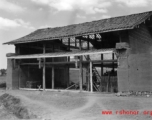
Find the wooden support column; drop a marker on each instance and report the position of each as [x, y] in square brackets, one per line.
[67, 69]
[87, 68]
[101, 73]
[102, 65]
[69, 44]
[44, 69]
[53, 77]
[81, 70]
[95, 37]
[17, 51]
[19, 76]
[75, 42]
[113, 57]
[91, 82]
[120, 40]
[68, 60]
[88, 44]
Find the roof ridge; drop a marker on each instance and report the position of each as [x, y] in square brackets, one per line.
[143, 19]
[95, 20]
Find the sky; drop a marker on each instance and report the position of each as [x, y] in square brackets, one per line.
[21, 17]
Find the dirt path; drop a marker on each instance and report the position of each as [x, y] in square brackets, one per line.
[80, 114]
[41, 109]
[45, 110]
[77, 112]
[77, 106]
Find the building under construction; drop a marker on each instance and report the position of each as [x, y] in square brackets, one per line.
[107, 55]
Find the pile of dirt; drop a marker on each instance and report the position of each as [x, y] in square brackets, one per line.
[13, 105]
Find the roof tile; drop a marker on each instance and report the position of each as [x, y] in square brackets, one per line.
[100, 26]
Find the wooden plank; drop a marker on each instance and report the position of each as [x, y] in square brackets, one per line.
[91, 82]
[72, 62]
[62, 54]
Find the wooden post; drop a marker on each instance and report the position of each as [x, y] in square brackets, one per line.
[87, 78]
[19, 76]
[44, 69]
[120, 40]
[68, 60]
[52, 77]
[95, 37]
[91, 82]
[68, 44]
[81, 74]
[19, 67]
[101, 82]
[102, 65]
[88, 45]
[52, 74]
[75, 42]
[113, 65]
[81, 71]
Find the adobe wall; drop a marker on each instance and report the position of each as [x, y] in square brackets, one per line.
[12, 78]
[134, 70]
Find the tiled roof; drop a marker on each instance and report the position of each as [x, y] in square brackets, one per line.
[63, 54]
[100, 26]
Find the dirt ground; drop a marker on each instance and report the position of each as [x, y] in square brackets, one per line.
[81, 106]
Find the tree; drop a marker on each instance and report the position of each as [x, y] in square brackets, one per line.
[3, 72]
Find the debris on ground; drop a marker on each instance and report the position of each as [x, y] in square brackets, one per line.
[13, 105]
[134, 93]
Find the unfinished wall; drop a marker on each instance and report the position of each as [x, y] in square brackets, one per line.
[12, 79]
[134, 70]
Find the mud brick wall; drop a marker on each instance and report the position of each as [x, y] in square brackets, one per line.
[134, 70]
[12, 79]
